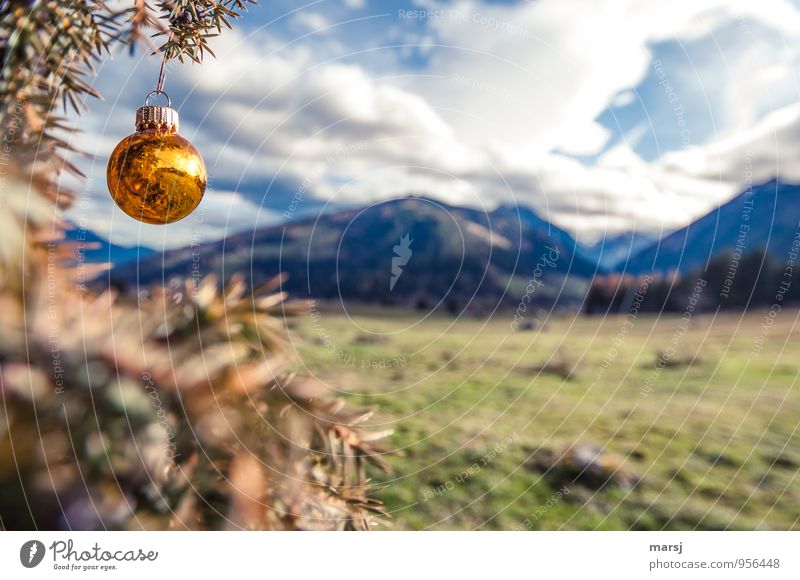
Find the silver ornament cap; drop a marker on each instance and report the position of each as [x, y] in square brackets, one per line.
[157, 117]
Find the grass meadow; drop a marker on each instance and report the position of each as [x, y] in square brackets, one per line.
[625, 422]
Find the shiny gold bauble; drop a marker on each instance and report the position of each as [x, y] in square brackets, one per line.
[155, 175]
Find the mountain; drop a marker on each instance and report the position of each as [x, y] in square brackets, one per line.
[419, 252]
[412, 251]
[96, 249]
[613, 251]
[765, 217]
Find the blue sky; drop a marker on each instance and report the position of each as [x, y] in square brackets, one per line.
[602, 115]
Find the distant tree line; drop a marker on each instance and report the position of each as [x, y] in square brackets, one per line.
[753, 280]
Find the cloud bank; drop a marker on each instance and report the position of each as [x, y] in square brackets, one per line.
[601, 115]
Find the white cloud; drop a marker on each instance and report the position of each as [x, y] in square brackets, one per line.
[623, 99]
[355, 4]
[313, 21]
[296, 116]
[622, 189]
[572, 61]
[770, 148]
[585, 140]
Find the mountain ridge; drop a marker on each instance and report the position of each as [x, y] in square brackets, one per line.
[466, 255]
[458, 254]
[748, 222]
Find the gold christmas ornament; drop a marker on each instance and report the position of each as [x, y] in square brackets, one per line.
[155, 175]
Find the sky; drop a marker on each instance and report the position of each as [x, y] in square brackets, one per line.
[603, 116]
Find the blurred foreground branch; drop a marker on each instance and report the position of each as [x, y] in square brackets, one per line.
[175, 410]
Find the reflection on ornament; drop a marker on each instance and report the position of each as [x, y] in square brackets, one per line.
[155, 175]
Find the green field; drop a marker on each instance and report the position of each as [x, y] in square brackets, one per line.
[483, 417]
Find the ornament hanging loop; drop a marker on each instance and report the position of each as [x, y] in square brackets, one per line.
[157, 117]
[162, 71]
[154, 93]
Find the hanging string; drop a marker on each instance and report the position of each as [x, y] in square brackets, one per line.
[162, 74]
